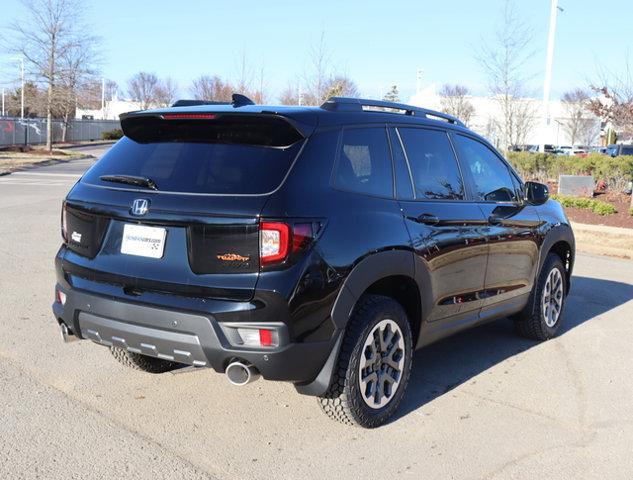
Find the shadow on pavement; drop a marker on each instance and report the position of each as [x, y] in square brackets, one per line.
[440, 367]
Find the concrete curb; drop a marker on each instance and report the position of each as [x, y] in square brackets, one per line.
[84, 145]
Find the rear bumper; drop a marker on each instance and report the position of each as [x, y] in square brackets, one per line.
[181, 336]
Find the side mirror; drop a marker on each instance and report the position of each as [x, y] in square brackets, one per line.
[536, 193]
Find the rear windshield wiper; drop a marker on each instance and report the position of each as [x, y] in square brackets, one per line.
[130, 180]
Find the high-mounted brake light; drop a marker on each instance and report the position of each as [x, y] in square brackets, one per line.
[274, 242]
[189, 116]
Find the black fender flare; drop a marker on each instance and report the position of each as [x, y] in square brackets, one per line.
[558, 233]
[369, 270]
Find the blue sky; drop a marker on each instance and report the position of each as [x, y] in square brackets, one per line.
[377, 43]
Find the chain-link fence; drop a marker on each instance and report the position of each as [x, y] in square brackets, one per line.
[32, 131]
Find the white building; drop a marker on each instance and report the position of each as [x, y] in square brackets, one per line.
[111, 111]
[487, 110]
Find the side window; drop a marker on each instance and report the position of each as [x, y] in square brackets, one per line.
[433, 165]
[404, 187]
[364, 162]
[490, 175]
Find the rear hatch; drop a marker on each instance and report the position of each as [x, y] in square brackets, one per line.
[174, 206]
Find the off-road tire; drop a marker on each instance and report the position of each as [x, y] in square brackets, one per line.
[136, 361]
[530, 322]
[343, 401]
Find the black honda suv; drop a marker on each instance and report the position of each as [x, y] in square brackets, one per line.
[315, 245]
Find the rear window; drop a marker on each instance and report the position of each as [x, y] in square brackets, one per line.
[206, 157]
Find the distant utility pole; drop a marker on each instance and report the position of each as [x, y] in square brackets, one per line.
[103, 99]
[22, 89]
[547, 83]
[418, 80]
[3, 102]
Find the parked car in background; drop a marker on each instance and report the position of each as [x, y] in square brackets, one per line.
[619, 149]
[563, 150]
[598, 149]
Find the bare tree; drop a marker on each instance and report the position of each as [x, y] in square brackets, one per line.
[579, 124]
[503, 60]
[210, 88]
[454, 101]
[392, 95]
[320, 82]
[318, 73]
[339, 86]
[166, 92]
[245, 76]
[77, 64]
[291, 95]
[259, 94]
[614, 103]
[143, 88]
[50, 30]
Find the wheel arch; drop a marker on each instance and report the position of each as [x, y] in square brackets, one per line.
[377, 273]
[560, 241]
[390, 273]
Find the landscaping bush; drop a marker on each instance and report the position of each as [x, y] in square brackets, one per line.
[112, 134]
[631, 211]
[598, 207]
[541, 167]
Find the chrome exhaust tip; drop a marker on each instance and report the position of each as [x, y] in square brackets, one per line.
[67, 335]
[241, 374]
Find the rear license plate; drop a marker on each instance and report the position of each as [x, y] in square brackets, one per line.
[143, 241]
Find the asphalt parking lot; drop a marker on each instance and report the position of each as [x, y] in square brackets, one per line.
[482, 405]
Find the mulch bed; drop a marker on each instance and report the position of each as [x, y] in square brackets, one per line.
[620, 201]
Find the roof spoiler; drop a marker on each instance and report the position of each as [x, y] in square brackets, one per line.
[238, 100]
[361, 105]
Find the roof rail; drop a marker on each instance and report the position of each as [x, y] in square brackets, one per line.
[362, 104]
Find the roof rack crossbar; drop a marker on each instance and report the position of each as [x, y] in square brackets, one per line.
[360, 104]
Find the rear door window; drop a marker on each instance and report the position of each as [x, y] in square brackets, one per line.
[202, 157]
[364, 162]
[433, 164]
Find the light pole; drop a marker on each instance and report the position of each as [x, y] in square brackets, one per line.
[21, 59]
[3, 102]
[548, 71]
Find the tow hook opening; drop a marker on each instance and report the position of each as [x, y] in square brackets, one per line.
[240, 374]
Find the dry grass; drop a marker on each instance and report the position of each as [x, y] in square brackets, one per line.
[13, 161]
[599, 240]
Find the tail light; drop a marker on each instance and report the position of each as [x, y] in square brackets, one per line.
[60, 297]
[258, 337]
[278, 240]
[64, 223]
[274, 242]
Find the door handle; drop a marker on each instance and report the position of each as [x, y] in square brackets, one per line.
[427, 219]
